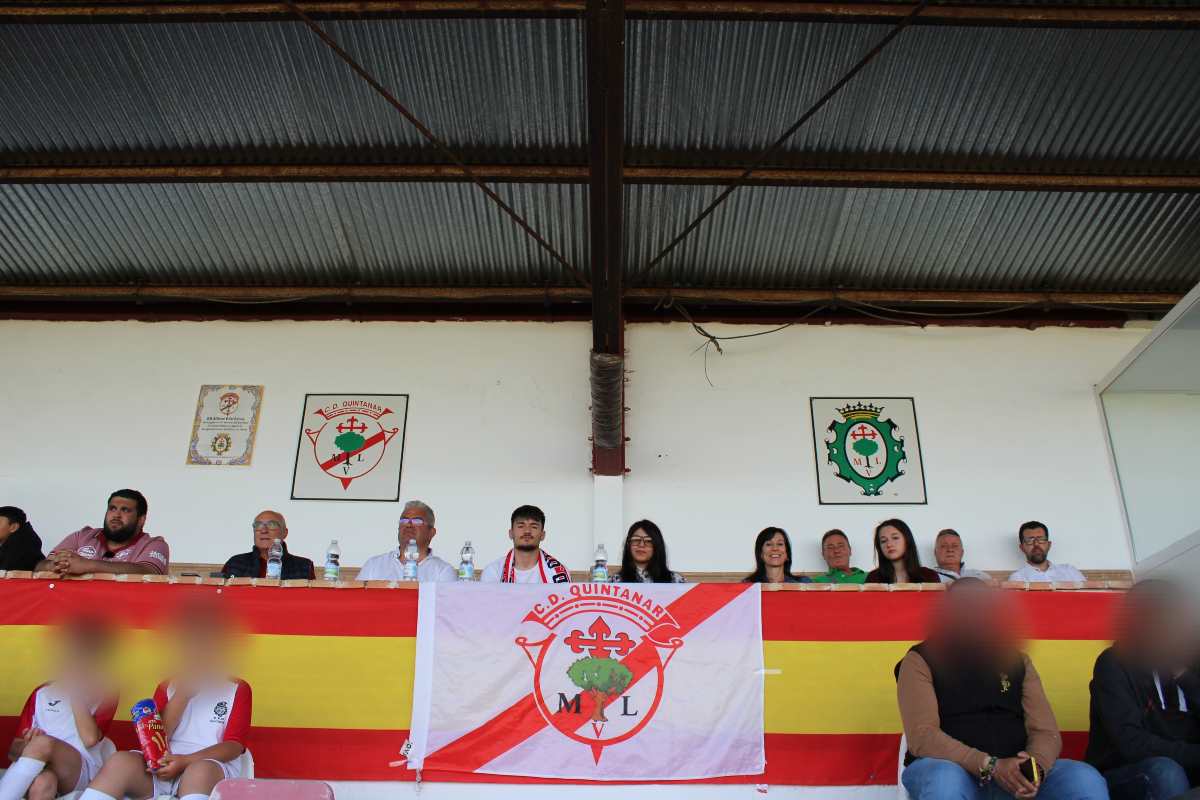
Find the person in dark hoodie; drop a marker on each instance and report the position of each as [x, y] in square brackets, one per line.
[20, 546]
[1145, 708]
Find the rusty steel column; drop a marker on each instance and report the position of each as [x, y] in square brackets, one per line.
[605, 24]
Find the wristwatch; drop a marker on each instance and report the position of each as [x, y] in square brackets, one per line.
[987, 771]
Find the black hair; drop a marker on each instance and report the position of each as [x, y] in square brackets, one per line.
[529, 512]
[13, 514]
[1029, 526]
[912, 559]
[834, 532]
[760, 567]
[657, 568]
[135, 496]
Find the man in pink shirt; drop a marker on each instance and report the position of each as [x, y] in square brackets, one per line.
[120, 547]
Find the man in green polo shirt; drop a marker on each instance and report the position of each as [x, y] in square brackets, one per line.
[835, 548]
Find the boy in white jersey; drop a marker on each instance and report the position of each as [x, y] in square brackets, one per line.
[206, 714]
[57, 749]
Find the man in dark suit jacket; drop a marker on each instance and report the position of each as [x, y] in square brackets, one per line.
[1145, 709]
[267, 527]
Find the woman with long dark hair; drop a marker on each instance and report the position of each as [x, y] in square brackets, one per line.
[644, 557]
[897, 556]
[773, 559]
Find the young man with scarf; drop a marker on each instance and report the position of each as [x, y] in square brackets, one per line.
[526, 562]
[977, 721]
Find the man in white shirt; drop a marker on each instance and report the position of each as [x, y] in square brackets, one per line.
[948, 552]
[526, 562]
[1035, 544]
[416, 524]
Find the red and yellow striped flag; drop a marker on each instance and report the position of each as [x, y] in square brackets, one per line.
[332, 670]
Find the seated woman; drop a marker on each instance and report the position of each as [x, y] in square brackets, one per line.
[773, 559]
[896, 553]
[644, 559]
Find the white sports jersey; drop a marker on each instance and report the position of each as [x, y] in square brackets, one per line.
[49, 709]
[494, 571]
[217, 713]
[388, 567]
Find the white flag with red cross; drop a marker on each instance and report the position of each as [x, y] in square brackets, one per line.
[613, 682]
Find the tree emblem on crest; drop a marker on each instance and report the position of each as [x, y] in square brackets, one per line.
[865, 449]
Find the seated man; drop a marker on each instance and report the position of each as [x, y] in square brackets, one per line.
[20, 546]
[416, 525]
[948, 551]
[1145, 711]
[974, 711]
[1034, 538]
[206, 714]
[122, 546]
[57, 749]
[526, 562]
[835, 549]
[266, 528]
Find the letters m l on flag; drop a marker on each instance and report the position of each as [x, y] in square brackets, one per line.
[616, 682]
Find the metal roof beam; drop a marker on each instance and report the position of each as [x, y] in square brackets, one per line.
[266, 295]
[847, 12]
[496, 173]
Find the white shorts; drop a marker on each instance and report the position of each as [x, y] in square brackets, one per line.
[89, 768]
[231, 769]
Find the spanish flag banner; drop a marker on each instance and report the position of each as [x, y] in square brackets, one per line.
[595, 681]
[332, 671]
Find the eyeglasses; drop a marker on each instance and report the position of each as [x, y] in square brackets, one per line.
[416, 522]
[1037, 540]
[271, 525]
[641, 541]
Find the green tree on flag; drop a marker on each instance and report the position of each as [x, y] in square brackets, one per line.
[601, 678]
[348, 442]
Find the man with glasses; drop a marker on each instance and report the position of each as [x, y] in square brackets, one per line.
[1034, 538]
[835, 549]
[266, 528]
[416, 525]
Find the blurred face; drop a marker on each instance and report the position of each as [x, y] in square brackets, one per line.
[774, 551]
[121, 521]
[641, 546]
[268, 526]
[836, 552]
[949, 552]
[416, 526]
[526, 534]
[1035, 544]
[891, 541]
[7, 528]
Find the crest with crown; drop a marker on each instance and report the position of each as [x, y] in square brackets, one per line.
[857, 412]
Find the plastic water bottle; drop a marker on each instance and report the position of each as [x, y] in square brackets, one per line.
[333, 561]
[600, 567]
[410, 561]
[466, 563]
[275, 559]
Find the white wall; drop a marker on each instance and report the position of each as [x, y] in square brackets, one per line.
[499, 417]
[1009, 426]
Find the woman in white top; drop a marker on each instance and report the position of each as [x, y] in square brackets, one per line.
[644, 558]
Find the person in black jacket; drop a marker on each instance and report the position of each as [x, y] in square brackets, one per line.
[20, 546]
[267, 527]
[1145, 708]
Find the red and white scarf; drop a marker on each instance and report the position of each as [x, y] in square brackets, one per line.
[547, 565]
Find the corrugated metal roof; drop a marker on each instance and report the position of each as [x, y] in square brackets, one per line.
[938, 96]
[242, 92]
[771, 237]
[406, 234]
